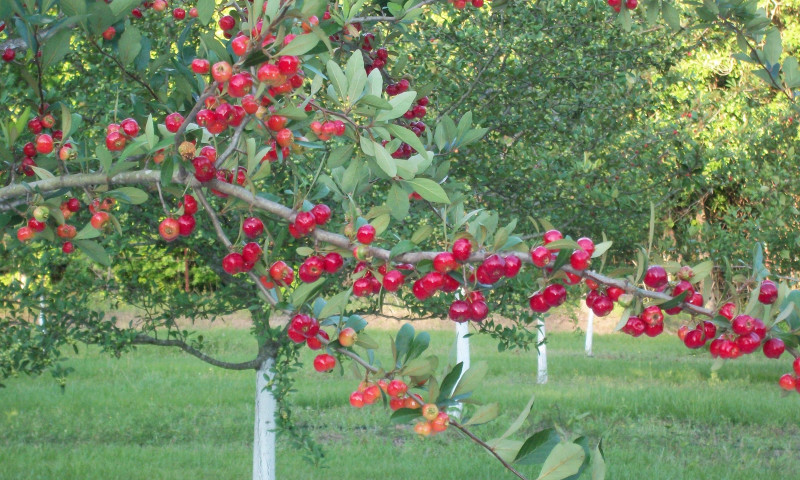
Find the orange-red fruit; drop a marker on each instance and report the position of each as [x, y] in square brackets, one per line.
[99, 220]
[348, 337]
[430, 411]
[324, 363]
[787, 382]
[169, 229]
[357, 399]
[423, 429]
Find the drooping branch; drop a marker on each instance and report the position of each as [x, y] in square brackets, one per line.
[263, 353]
[489, 449]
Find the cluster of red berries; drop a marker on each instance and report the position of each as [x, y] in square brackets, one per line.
[650, 323]
[462, 4]
[324, 131]
[44, 142]
[792, 382]
[236, 262]
[617, 4]
[41, 214]
[555, 294]
[118, 134]
[314, 266]
[378, 58]
[278, 272]
[434, 422]
[170, 228]
[306, 222]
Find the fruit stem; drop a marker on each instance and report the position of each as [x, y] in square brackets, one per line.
[483, 444]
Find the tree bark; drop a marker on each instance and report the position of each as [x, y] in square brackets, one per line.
[265, 424]
[541, 376]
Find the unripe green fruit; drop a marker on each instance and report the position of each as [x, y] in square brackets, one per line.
[41, 213]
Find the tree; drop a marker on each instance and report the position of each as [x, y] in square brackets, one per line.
[292, 158]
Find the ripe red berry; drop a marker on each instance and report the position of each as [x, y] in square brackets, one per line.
[552, 236]
[727, 310]
[186, 224]
[169, 229]
[44, 144]
[227, 23]
[512, 266]
[324, 363]
[694, 339]
[173, 122]
[540, 256]
[586, 244]
[204, 170]
[602, 306]
[366, 234]
[652, 316]
[444, 262]
[311, 269]
[99, 220]
[787, 382]
[288, 64]
[538, 303]
[478, 311]
[742, 324]
[362, 287]
[655, 277]
[305, 223]
[233, 263]
[251, 253]
[281, 273]
[67, 247]
[393, 280]
[555, 294]
[462, 249]
[252, 227]
[357, 399]
[9, 54]
[333, 262]
[130, 127]
[796, 366]
[201, 66]
[768, 292]
[189, 205]
[579, 259]
[774, 348]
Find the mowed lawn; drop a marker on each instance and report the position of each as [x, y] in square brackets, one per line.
[160, 414]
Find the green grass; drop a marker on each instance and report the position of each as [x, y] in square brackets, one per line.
[160, 414]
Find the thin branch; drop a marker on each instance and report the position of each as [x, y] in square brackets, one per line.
[383, 18]
[489, 449]
[121, 66]
[254, 364]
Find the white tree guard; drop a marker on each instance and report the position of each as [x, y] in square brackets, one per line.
[589, 333]
[541, 377]
[462, 356]
[265, 424]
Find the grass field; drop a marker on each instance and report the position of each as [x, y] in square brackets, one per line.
[160, 414]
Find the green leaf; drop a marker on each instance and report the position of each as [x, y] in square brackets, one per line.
[420, 343]
[100, 17]
[336, 304]
[356, 77]
[300, 45]
[402, 247]
[564, 243]
[375, 101]
[505, 448]
[130, 43]
[407, 136]
[74, 8]
[381, 223]
[405, 336]
[484, 414]
[337, 78]
[675, 301]
[419, 367]
[56, 48]
[205, 10]
[773, 46]
[87, 232]
[400, 105]
[702, 270]
[121, 8]
[472, 378]
[429, 190]
[601, 248]
[671, 16]
[384, 159]
[565, 460]
[523, 415]
[537, 447]
[367, 342]
[405, 415]
[421, 234]
[132, 195]
[449, 383]
[791, 73]
[42, 173]
[95, 251]
[598, 464]
[304, 292]
[398, 202]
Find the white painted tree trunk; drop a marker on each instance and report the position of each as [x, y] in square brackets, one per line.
[40, 320]
[462, 356]
[589, 333]
[264, 439]
[541, 377]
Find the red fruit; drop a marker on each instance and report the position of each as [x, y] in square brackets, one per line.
[322, 213]
[460, 311]
[115, 141]
[586, 244]
[635, 327]
[109, 33]
[371, 394]
[631, 4]
[796, 366]
[252, 227]
[393, 280]
[201, 66]
[25, 234]
[396, 388]
[444, 262]
[189, 205]
[169, 229]
[269, 73]
[238, 85]
[709, 329]
[29, 149]
[694, 339]
[204, 170]
[728, 310]
[357, 399]
[653, 316]
[305, 222]
[277, 122]
[654, 330]
[602, 306]
[99, 220]
[462, 249]
[512, 266]
[715, 346]
[759, 328]
[787, 382]
[332, 262]
[314, 343]
[555, 294]
[222, 72]
[362, 287]
[44, 144]
[9, 54]
[130, 127]
[67, 247]
[288, 64]
[281, 273]
[552, 236]
[36, 225]
[233, 263]
[311, 269]
[432, 281]
[614, 293]
[304, 326]
[227, 23]
[540, 256]
[768, 292]
[348, 337]
[742, 324]
[73, 205]
[324, 363]
[491, 270]
[580, 259]
[683, 286]
[173, 122]
[239, 45]
[774, 348]
[748, 343]
[420, 291]
[591, 297]
[366, 234]
[478, 311]
[251, 252]
[538, 303]
[66, 231]
[35, 126]
[655, 277]
[186, 224]
[682, 331]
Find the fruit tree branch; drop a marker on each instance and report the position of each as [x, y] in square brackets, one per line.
[254, 364]
[384, 18]
[483, 444]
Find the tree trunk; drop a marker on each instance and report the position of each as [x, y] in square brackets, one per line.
[265, 424]
[541, 376]
[589, 332]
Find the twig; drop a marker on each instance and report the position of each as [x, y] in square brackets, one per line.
[254, 364]
[483, 444]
